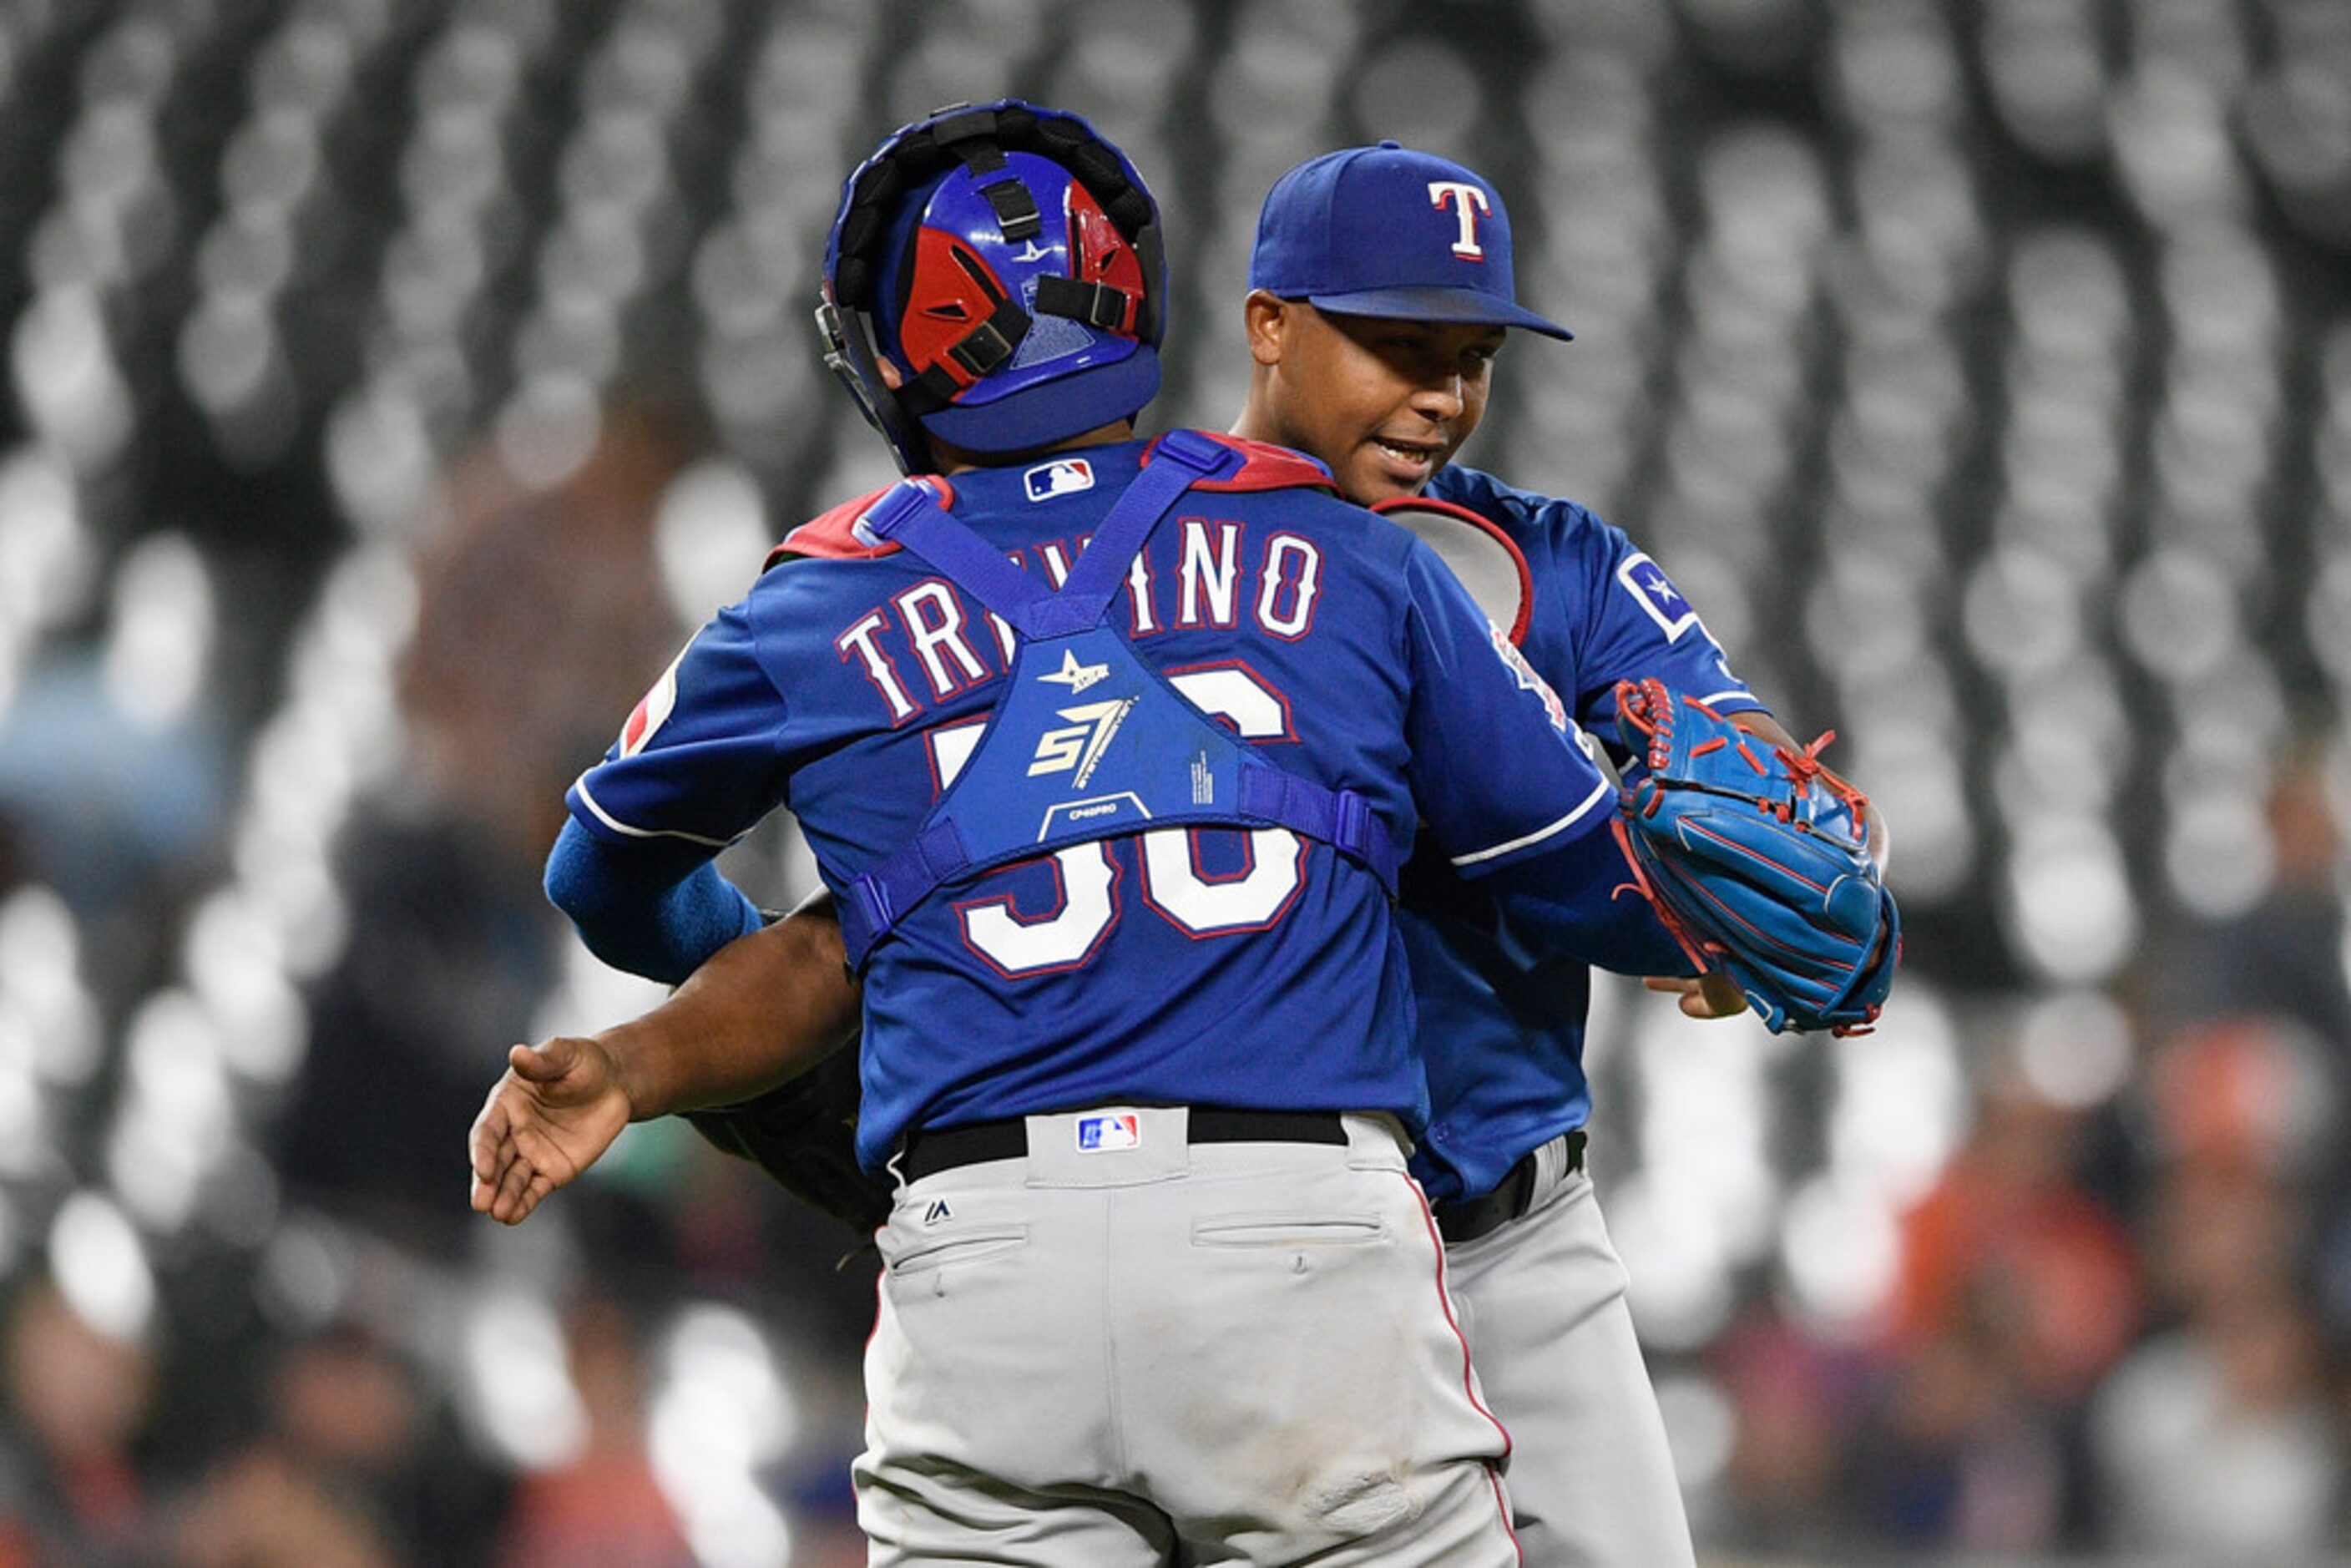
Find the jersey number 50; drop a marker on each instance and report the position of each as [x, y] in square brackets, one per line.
[1173, 884]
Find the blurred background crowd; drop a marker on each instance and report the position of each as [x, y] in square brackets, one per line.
[386, 386]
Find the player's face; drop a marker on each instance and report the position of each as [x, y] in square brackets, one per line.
[1384, 402]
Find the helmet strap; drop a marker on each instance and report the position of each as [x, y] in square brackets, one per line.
[988, 345]
[1098, 305]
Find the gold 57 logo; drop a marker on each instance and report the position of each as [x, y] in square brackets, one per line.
[1080, 747]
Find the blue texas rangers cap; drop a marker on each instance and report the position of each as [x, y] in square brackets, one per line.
[1387, 231]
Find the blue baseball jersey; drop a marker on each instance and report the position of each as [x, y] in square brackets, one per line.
[1252, 969]
[1501, 1016]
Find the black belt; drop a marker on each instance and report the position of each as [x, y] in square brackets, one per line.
[931, 1150]
[1469, 1218]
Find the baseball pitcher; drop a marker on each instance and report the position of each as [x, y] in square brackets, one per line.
[1381, 291]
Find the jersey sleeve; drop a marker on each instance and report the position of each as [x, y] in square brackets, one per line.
[1639, 626]
[1507, 783]
[1499, 770]
[694, 768]
[701, 759]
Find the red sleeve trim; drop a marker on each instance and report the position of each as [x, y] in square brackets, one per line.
[833, 535]
[1266, 467]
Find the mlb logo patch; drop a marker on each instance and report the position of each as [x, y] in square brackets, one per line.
[1647, 582]
[1065, 477]
[1101, 1135]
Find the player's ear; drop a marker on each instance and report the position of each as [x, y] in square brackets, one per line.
[1268, 320]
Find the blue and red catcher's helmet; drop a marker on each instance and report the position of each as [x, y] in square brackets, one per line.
[1007, 261]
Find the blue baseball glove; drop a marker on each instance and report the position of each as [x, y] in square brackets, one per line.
[1754, 857]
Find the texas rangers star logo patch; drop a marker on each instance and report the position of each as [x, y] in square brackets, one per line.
[1065, 477]
[1103, 1134]
[1655, 593]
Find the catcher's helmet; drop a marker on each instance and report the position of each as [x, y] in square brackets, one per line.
[1007, 261]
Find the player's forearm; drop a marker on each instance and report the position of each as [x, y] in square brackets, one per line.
[765, 1007]
[657, 909]
[1578, 900]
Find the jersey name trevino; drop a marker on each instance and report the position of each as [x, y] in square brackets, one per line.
[926, 643]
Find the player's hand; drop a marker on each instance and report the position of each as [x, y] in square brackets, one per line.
[559, 1107]
[1708, 996]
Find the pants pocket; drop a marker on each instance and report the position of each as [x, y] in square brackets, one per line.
[1289, 1230]
[928, 1256]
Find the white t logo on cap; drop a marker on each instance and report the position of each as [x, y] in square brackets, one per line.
[1466, 201]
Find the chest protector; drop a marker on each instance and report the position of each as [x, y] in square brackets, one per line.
[1086, 742]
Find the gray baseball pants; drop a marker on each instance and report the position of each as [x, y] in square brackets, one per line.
[1543, 1302]
[1206, 1353]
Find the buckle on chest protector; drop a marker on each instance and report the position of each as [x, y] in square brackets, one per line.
[1340, 818]
[1352, 825]
[882, 895]
[881, 522]
[873, 908]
